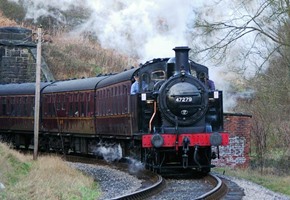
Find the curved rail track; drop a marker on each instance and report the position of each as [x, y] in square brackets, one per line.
[220, 188]
[154, 183]
[145, 192]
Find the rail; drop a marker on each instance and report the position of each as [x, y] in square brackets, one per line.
[146, 192]
[217, 192]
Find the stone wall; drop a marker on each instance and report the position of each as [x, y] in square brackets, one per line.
[17, 65]
[18, 57]
[237, 153]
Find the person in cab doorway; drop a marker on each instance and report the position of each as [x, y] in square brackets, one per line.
[135, 85]
[209, 83]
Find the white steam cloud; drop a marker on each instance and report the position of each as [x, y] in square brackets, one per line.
[140, 28]
[144, 28]
[110, 153]
[134, 166]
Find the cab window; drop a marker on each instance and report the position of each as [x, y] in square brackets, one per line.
[158, 75]
[148, 80]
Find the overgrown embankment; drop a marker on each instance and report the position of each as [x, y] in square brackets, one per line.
[47, 178]
[280, 184]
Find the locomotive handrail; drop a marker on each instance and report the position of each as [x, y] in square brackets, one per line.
[151, 119]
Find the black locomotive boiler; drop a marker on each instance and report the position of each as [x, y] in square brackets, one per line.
[174, 121]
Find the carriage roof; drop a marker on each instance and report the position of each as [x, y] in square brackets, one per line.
[20, 88]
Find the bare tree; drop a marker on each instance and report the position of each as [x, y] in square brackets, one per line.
[261, 28]
[263, 35]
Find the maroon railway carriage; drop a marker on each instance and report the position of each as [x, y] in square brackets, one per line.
[74, 113]
[17, 112]
[173, 122]
[87, 111]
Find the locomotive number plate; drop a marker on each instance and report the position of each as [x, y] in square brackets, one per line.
[183, 99]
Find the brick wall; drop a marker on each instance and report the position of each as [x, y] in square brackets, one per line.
[236, 154]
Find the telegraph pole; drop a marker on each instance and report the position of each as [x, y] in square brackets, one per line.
[37, 95]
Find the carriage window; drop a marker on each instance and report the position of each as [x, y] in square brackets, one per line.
[32, 110]
[58, 100]
[49, 109]
[19, 106]
[76, 113]
[12, 107]
[82, 109]
[4, 106]
[65, 104]
[82, 105]
[89, 112]
[88, 96]
[108, 103]
[70, 109]
[25, 113]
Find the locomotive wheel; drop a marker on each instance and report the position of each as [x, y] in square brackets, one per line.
[205, 159]
[150, 160]
[156, 162]
[146, 158]
[27, 142]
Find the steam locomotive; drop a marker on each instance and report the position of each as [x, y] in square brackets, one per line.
[174, 121]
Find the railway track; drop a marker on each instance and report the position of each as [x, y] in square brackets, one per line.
[145, 192]
[154, 183]
[220, 189]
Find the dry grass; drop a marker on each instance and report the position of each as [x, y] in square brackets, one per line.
[75, 57]
[46, 178]
[4, 21]
[280, 184]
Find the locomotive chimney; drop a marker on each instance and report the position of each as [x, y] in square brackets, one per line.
[181, 62]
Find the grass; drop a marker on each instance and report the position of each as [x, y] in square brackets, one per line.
[46, 178]
[51, 178]
[280, 184]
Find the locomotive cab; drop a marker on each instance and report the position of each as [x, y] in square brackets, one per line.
[151, 75]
